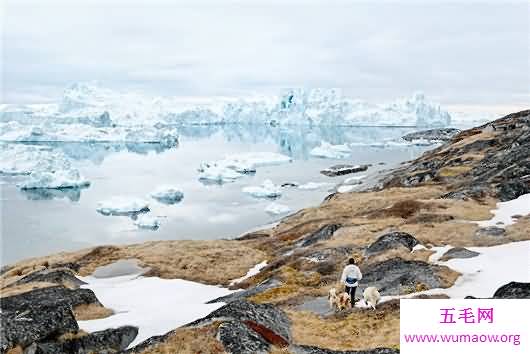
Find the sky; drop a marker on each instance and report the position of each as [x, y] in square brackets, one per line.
[467, 52]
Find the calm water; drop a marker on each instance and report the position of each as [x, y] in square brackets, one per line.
[39, 223]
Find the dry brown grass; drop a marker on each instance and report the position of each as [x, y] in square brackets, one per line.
[190, 341]
[211, 262]
[360, 329]
[23, 288]
[87, 312]
[453, 171]
[15, 350]
[72, 335]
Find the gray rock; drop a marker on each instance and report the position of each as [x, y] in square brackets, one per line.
[392, 240]
[490, 231]
[340, 170]
[458, 252]
[34, 323]
[303, 349]
[390, 275]
[237, 338]
[513, 290]
[51, 296]
[107, 341]
[119, 268]
[240, 295]
[442, 134]
[62, 276]
[324, 233]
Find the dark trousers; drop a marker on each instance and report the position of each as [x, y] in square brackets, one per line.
[350, 290]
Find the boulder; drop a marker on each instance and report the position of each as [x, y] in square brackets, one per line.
[513, 290]
[107, 341]
[392, 240]
[34, 323]
[51, 296]
[490, 231]
[340, 170]
[238, 338]
[458, 252]
[304, 349]
[390, 275]
[322, 234]
[61, 276]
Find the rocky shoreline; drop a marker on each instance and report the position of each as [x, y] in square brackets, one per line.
[392, 230]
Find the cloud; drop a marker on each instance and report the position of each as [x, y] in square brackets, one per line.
[458, 53]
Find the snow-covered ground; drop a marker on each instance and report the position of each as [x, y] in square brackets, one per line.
[154, 305]
[251, 272]
[503, 214]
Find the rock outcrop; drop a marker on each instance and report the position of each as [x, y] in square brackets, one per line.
[458, 252]
[315, 350]
[392, 240]
[441, 134]
[513, 290]
[341, 170]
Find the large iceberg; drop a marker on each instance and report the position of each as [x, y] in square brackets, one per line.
[68, 178]
[327, 150]
[96, 106]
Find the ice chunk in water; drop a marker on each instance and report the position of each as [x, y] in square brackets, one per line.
[330, 151]
[146, 221]
[277, 209]
[60, 179]
[167, 194]
[122, 206]
[266, 190]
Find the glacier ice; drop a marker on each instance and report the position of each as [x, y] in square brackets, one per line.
[330, 151]
[146, 221]
[277, 209]
[266, 190]
[67, 178]
[120, 205]
[167, 194]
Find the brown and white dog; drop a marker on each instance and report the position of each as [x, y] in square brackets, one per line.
[338, 301]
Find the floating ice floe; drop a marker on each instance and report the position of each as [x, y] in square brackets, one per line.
[354, 180]
[60, 179]
[146, 221]
[313, 185]
[137, 301]
[327, 150]
[167, 194]
[277, 209]
[503, 215]
[251, 272]
[122, 206]
[236, 166]
[266, 190]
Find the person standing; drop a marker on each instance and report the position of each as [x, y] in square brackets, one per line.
[350, 278]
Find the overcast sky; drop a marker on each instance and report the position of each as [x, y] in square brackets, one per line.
[472, 54]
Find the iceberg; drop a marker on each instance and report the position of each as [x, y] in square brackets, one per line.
[313, 185]
[167, 194]
[327, 150]
[69, 178]
[122, 206]
[217, 173]
[146, 221]
[277, 209]
[266, 190]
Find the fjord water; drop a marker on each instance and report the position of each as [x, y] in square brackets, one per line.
[41, 222]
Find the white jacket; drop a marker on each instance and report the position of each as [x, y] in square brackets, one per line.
[351, 271]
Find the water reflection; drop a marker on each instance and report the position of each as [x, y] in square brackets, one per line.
[72, 194]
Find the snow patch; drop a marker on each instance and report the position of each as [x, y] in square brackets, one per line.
[251, 272]
[154, 305]
[503, 215]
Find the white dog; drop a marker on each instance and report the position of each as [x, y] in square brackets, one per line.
[340, 301]
[371, 296]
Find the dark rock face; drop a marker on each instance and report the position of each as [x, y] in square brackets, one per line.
[458, 252]
[237, 338]
[491, 231]
[503, 172]
[52, 296]
[389, 275]
[239, 295]
[340, 170]
[391, 240]
[513, 290]
[34, 323]
[303, 349]
[442, 134]
[324, 233]
[249, 326]
[107, 341]
[57, 276]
